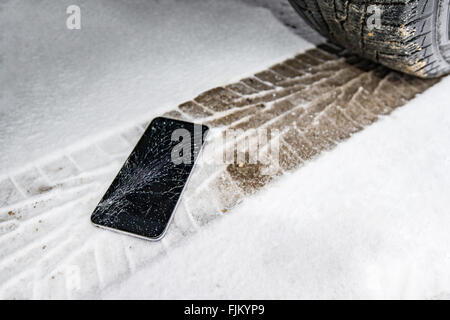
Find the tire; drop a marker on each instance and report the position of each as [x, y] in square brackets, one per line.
[413, 36]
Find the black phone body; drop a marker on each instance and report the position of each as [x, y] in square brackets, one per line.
[144, 195]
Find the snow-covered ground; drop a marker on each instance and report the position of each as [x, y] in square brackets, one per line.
[129, 61]
[366, 220]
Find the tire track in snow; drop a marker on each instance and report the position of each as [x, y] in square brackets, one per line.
[316, 100]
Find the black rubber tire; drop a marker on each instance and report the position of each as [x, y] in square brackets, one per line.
[414, 36]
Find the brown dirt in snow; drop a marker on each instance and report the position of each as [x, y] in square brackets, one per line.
[315, 100]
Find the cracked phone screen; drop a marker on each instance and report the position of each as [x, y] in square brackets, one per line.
[145, 192]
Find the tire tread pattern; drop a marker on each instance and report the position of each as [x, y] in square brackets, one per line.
[407, 40]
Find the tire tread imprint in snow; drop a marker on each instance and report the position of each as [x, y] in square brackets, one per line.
[315, 100]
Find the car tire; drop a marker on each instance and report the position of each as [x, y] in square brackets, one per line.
[412, 36]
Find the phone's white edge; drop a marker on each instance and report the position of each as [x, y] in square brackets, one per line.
[176, 205]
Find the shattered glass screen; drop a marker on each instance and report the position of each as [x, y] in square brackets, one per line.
[144, 194]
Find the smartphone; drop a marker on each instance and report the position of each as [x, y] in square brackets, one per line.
[144, 195]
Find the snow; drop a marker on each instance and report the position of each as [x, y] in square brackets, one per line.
[367, 220]
[129, 61]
